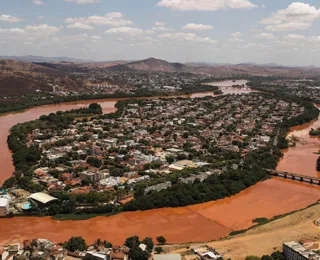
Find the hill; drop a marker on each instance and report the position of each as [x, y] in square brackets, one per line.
[20, 78]
[31, 58]
[151, 64]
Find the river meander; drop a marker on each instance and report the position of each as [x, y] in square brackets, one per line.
[196, 223]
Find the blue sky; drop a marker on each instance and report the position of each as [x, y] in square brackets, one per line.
[224, 31]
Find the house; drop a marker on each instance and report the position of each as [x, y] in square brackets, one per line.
[93, 177]
[42, 198]
[296, 251]
[4, 207]
[158, 187]
[180, 165]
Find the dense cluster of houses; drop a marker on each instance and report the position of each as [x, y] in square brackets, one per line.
[304, 88]
[149, 80]
[41, 248]
[155, 137]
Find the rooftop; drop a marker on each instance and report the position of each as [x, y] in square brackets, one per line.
[42, 197]
[167, 257]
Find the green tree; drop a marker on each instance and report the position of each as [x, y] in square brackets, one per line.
[76, 244]
[170, 159]
[96, 108]
[267, 257]
[95, 162]
[136, 253]
[161, 240]
[149, 243]
[132, 241]
[252, 257]
[107, 244]
[158, 250]
[277, 255]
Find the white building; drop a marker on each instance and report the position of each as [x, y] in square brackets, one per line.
[4, 207]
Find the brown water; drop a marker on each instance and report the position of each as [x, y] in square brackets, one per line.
[302, 158]
[196, 223]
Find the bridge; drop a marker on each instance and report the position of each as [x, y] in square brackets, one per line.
[295, 176]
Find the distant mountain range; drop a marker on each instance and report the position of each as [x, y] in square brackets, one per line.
[63, 65]
[31, 58]
[147, 64]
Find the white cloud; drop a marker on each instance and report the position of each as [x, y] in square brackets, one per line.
[9, 18]
[187, 37]
[197, 27]
[205, 5]
[254, 45]
[236, 37]
[267, 36]
[160, 29]
[111, 19]
[79, 26]
[125, 30]
[37, 2]
[294, 37]
[11, 30]
[82, 2]
[96, 38]
[298, 16]
[315, 38]
[32, 30]
[159, 24]
[42, 29]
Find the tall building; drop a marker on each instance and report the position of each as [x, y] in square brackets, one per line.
[296, 251]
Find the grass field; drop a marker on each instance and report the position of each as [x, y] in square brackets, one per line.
[267, 238]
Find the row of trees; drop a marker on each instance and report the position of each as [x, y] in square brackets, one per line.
[277, 255]
[315, 132]
[214, 188]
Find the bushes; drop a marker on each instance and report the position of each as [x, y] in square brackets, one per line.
[214, 188]
[260, 221]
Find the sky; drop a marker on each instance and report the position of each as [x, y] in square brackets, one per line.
[219, 31]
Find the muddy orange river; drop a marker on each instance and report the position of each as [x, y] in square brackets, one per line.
[197, 223]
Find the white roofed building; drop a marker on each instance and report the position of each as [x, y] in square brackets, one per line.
[41, 197]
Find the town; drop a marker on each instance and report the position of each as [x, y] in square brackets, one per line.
[142, 150]
[76, 248]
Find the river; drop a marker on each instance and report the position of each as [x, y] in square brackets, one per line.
[196, 223]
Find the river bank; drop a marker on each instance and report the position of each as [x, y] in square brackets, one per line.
[198, 223]
[294, 227]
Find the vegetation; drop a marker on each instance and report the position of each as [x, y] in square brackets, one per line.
[277, 255]
[76, 244]
[218, 92]
[158, 250]
[161, 240]
[315, 132]
[260, 220]
[252, 257]
[136, 253]
[237, 232]
[214, 188]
